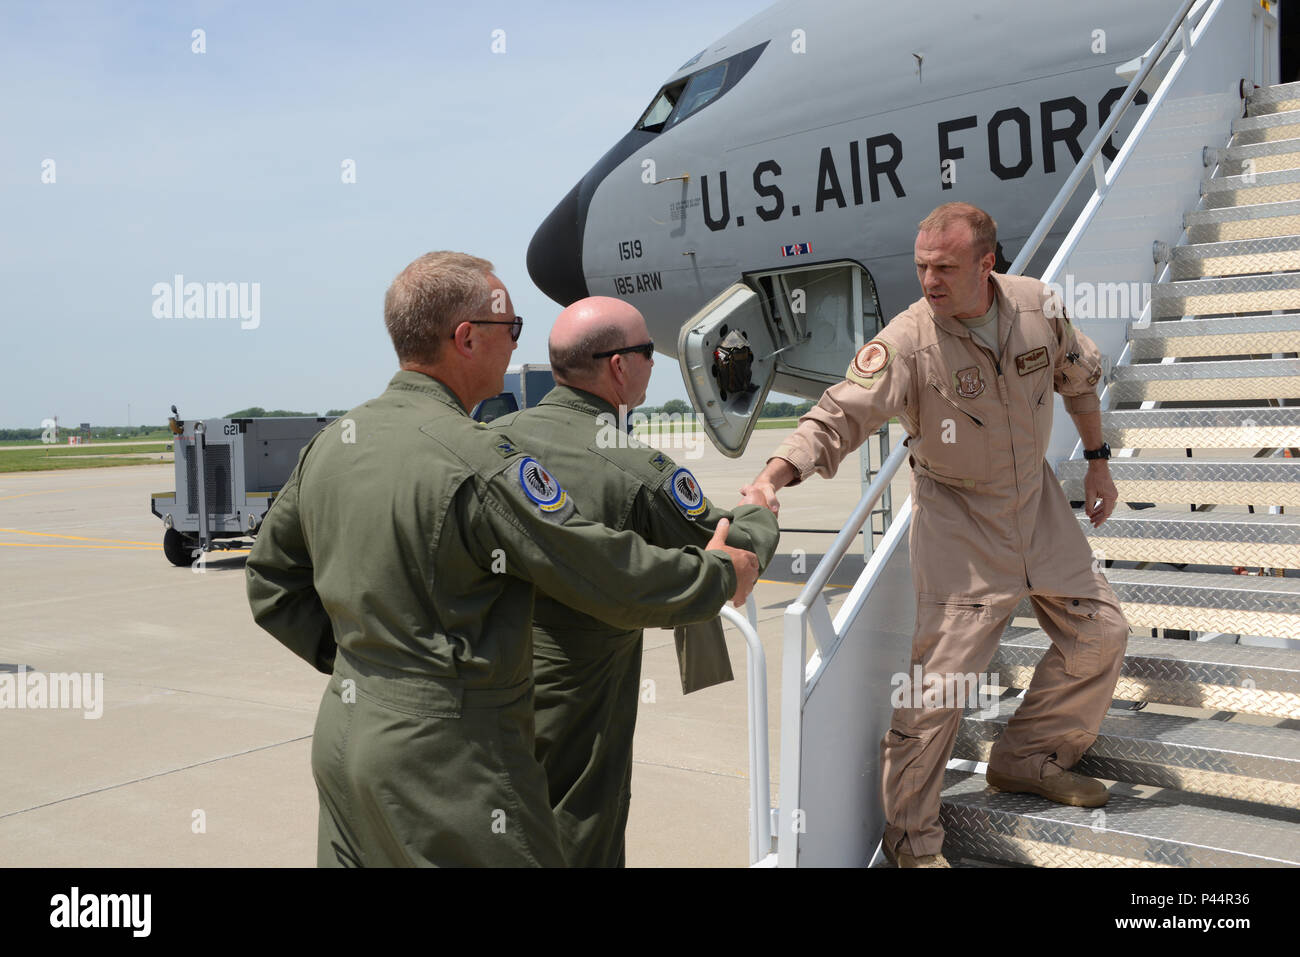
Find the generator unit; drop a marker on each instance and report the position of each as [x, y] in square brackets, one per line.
[525, 385]
[243, 463]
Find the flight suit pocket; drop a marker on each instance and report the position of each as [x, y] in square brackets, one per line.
[954, 436]
[1041, 409]
[1083, 654]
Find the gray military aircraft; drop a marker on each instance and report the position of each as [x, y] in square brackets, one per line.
[773, 185]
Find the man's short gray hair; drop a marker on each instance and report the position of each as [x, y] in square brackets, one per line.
[432, 296]
[982, 227]
[576, 363]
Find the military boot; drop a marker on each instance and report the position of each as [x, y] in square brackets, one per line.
[1057, 784]
[904, 859]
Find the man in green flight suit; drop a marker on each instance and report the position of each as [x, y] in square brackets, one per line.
[587, 667]
[400, 558]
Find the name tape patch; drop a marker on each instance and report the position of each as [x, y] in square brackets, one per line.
[1032, 361]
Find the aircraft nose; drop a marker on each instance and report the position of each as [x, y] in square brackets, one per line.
[555, 252]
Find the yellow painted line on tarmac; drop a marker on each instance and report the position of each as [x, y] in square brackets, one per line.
[51, 491]
[138, 548]
[77, 538]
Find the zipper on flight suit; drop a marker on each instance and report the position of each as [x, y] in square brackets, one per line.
[955, 405]
[1006, 405]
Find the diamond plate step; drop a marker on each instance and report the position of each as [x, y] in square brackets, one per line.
[1226, 759]
[1241, 481]
[1249, 188]
[1193, 674]
[1236, 258]
[1178, 536]
[1199, 381]
[1191, 297]
[1259, 157]
[1232, 336]
[1242, 428]
[1127, 832]
[1198, 601]
[1267, 128]
[1279, 98]
[1242, 222]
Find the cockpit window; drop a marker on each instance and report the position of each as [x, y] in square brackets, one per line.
[660, 108]
[700, 88]
[690, 94]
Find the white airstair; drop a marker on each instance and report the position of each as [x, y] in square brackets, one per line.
[1203, 740]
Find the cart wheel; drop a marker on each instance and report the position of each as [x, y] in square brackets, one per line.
[178, 549]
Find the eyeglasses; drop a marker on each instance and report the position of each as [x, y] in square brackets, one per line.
[647, 349]
[516, 325]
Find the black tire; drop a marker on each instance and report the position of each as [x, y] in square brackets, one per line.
[178, 549]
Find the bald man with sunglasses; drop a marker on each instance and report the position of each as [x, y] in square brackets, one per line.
[587, 673]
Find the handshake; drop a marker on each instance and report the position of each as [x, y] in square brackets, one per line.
[744, 562]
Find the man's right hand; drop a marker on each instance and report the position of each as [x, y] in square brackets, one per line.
[745, 563]
[761, 493]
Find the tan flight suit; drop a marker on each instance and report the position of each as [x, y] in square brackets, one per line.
[990, 523]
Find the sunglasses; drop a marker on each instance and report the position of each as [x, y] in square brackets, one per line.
[647, 349]
[516, 325]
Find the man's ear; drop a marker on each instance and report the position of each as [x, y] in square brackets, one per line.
[987, 262]
[462, 339]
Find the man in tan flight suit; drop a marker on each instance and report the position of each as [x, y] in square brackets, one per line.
[969, 369]
[401, 556]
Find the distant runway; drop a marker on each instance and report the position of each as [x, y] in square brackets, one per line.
[201, 753]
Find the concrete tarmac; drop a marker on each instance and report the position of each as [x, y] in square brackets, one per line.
[201, 755]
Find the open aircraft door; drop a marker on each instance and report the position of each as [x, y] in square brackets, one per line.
[795, 329]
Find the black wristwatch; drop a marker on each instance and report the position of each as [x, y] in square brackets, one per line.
[1101, 453]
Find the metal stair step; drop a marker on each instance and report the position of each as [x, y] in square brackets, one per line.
[1242, 222]
[1199, 381]
[1240, 428]
[1243, 762]
[1244, 679]
[1128, 831]
[1257, 157]
[1192, 297]
[1283, 125]
[1279, 98]
[1272, 254]
[1200, 601]
[1178, 536]
[1248, 188]
[1226, 336]
[1239, 481]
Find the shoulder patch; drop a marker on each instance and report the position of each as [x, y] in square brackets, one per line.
[541, 487]
[659, 461]
[505, 449]
[870, 363]
[685, 491]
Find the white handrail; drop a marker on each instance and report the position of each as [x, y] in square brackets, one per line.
[760, 794]
[1093, 152]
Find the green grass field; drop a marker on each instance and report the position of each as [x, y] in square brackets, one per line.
[79, 456]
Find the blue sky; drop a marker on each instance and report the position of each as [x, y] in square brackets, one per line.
[225, 166]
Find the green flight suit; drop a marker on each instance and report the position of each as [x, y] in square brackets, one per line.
[586, 666]
[401, 556]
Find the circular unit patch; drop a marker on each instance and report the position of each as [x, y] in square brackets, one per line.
[871, 358]
[687, 493]
[540, 486]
